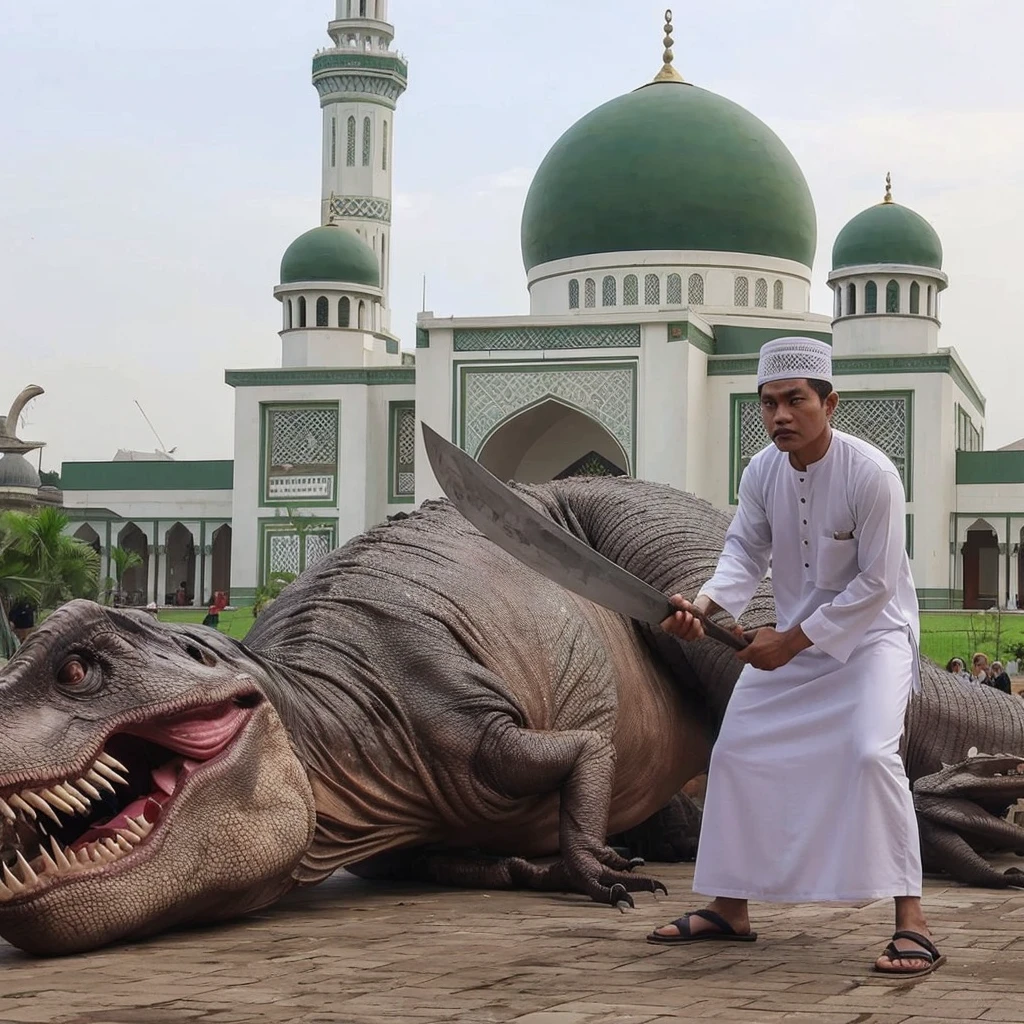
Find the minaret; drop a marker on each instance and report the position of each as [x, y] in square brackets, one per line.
[360, 80]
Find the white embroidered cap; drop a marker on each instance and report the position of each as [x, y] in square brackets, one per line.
[786, 358]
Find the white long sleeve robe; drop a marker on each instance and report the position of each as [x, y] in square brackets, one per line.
[807, 796]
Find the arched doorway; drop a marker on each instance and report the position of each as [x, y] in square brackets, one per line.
[981, 566]
[88, 535]
[547, 440]
[180, 564]
[134, 585]
[220, 561]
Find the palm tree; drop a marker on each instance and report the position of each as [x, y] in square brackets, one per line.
[123, 560]
[15, 585]
[61, 567]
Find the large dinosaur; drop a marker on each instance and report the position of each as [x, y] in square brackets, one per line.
[416, 703]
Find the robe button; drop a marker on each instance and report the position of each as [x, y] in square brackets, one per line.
[807, 565]
[806, 542]
[805, 522]
[803, 501]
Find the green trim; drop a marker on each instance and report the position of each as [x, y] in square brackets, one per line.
[266, 527]
[266, 408]
[360, 61]
[511, 339]
[990, 468]
[422, 337]
[736, 366]
[394, 498]
[303, 376]
[731, 340]
[243, 597]
[215, 475]
[685, 331]
[735, 401]
[462, 369]
[939, 599]
[391, 346]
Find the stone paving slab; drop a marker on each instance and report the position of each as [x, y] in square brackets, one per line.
[353, 952]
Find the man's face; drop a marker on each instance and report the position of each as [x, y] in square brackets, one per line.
[793, 414]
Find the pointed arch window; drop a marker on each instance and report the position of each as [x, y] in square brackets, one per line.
[674, 290]
[344, 312]
[384, 148]
[778, 295]
[323, 312]
[851, 300]
[367, 141]
[350, 148]
[915, 297]
[741, 292]
[302, 310]
[362, 8]
[590, 293]
[289, 313]
[334, 142]
[837, 304]
[630, 291]
[362, 315]
[695, 290]
[761, 293]
[609, 292]
[931, 306]
[574, 294]
[892, 297]
[871, 297]
[652, 290]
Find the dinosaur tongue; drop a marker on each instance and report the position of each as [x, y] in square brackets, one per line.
[199, 734]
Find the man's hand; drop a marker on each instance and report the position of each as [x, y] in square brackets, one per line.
[682, 624]
[771, 649]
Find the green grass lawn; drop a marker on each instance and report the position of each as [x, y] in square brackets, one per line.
[233, 623]
[944, 635]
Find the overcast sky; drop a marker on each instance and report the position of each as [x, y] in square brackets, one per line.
[157, 159]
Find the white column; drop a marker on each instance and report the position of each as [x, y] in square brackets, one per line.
[160, 549]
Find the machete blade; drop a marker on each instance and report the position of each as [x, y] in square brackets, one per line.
[540, 543]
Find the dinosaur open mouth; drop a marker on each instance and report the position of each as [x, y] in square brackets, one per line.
[49, 832]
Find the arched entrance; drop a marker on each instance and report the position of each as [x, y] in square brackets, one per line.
[133, 586]
[220, 561]
[547, 441]
[181, 564]
[87, 535]
[981, 566]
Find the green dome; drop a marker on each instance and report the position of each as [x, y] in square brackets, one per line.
[330, 253]
[669, 166]
[887, 233]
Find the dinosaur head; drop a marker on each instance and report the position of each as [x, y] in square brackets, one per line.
[145, 781]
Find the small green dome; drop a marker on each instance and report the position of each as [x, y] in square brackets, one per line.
[669, 166]
[330, 253]
[887, 233]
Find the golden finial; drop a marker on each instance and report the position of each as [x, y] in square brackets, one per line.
[888, 187]
[668, 73]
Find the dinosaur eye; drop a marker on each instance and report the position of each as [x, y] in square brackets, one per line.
[72, 673]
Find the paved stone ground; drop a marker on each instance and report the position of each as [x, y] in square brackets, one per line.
[351, 952]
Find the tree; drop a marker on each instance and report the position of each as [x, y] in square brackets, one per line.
[123, 560]
[270, 591]
[59, 567]
[49, 478]
[15, 585]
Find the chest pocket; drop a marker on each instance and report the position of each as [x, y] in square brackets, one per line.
[837, 563]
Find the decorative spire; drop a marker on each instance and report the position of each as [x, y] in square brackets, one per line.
[888, 187]
[668, 73]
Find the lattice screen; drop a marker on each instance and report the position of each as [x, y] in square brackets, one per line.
[674, 290]
[696, 290]
[652, 290]
[589, 293]
[350, 147]
[778, 289]
[741, 292]
[317, 545]
[284, 553]
[403, 452]
[761, 292]
[630, 291]
[608, 291]
[367, 141]
[302, 452]
[882, 420]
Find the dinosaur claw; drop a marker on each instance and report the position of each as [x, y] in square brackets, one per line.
[658, 887]
[635, 862]
[620, 898]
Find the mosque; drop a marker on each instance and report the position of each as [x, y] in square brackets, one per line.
[666, 237]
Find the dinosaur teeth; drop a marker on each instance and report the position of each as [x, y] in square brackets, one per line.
[94, 776]
[19, 801]
[108, 771]
[86, 788]
[42, 805]
[111, 762]
[7, 811]
[29, 876]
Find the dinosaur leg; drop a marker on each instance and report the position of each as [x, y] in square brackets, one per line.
[944, 823]
[580, 765]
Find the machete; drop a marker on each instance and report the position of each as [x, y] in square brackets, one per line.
[540, 543]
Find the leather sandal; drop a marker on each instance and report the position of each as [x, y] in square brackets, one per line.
[928, 953]
[725, 932]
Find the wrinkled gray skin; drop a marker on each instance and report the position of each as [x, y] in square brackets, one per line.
[419, 704]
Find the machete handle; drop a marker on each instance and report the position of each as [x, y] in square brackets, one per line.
[713, 631]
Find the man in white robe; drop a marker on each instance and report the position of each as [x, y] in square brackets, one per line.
[807, 796]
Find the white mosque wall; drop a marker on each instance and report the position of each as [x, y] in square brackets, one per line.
[174, 506]
[662, 436]
[332, 347]
[884, 334]
[434, 401]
